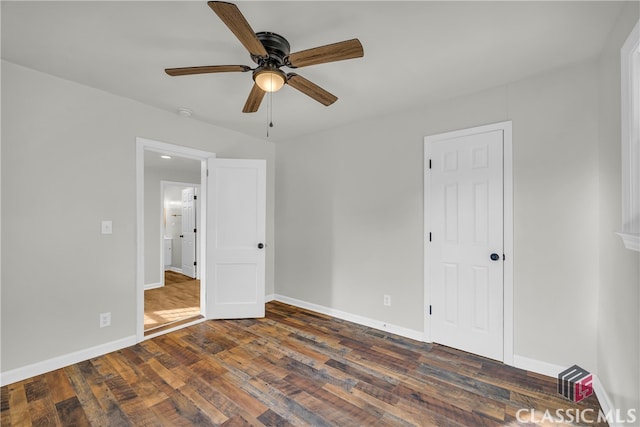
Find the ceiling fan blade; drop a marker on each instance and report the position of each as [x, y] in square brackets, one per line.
[340, 51]
[311, 89]
[233, 18]
[206, 69]
[254, 100]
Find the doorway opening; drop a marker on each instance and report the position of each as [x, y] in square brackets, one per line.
[177, 299]
[170, 296]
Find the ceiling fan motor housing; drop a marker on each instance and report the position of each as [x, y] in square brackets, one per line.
[276, 46]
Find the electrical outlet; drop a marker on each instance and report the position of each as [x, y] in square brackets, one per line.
[386, 300]
[107, 227]
[105, 319]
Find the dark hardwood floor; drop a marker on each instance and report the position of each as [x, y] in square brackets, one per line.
[293, 367]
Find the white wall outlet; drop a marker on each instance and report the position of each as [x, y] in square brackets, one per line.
[386, 300]
[105, 319]
[107, 227]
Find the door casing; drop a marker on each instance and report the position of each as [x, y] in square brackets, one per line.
[506, 128]
[143, 145]
[163, 186]
[192, 264]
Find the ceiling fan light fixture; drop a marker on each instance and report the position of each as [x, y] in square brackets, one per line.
[271, 51]
[269, 79]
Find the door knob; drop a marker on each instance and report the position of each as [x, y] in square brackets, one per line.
[260, 245]
[495, 257]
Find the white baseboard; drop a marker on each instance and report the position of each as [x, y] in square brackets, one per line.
[364, 321]
[49, 365]
[153, 286]
[175, 328]
[537, 366]
[532, 365]
[174, 269]
[552, 370]
[604, 399]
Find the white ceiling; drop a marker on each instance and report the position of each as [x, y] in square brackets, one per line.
[416, 52]
[153, 161]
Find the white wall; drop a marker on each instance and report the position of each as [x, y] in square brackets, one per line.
[350, 217]
[68, 162]
[173, 222]
[618, 344]
[152, 214]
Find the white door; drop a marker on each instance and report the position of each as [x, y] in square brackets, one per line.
[465, 247]
[236, 238]
[188, 234]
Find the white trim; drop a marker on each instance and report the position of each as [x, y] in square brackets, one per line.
[537, 366]
[631, 241]
[603, 398]
[140, 146]
[163, 186]
[552, 370]
[58, 362]
[176, 328]
[507, 183]
[630, 142]
[177, 150]
[354, 318]
[506, 128]
[143, 145]
[153, 286]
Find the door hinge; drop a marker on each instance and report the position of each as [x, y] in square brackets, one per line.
[195, 197]
[195, 230]
[429, 236]
[429, 163]
[207, 172]
[504, 257]
[430, 310]
[195, 263]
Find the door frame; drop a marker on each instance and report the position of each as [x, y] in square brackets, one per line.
[142, 145]
[507, 171]
[163, 185]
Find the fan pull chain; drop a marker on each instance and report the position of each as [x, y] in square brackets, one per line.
[269, 123]
[270, 109]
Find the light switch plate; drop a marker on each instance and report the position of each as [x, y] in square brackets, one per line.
[105, 319]
[107, 227]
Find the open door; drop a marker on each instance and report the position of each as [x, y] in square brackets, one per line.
[236, 197]
[188, 236]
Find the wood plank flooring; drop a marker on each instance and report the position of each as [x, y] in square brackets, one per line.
[178, 300]
[293, 367]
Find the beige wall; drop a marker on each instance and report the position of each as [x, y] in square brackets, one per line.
[68, 162]
[350, 217]
[618, 310]
[152, 213]
[349, 223]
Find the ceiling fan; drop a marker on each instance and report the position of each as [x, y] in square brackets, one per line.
[271, 52]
